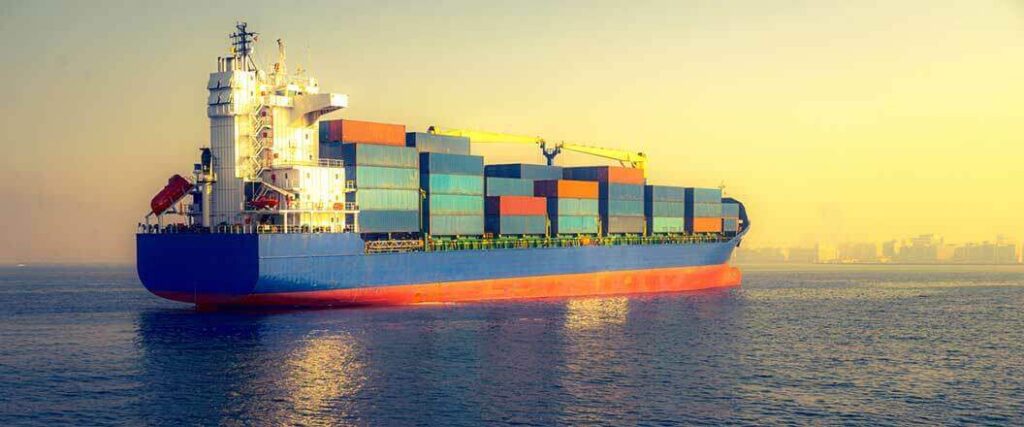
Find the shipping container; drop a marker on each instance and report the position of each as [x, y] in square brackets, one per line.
[456, 164]
[431, 143]
[566, 224]
[384, 177]
[389, 221]
[659, 225]
[517, 224]
[573, 207]
[623, 224]
[564, 188]
[664, 193]
[730, 224]
[703, 195]
[454, 225]
[621, 207]
[452, 184]
[704, 225]
[730, 210]
[704, 210]
[665, 209]
[453, 204]
[613, 174]
[380, 155]
[355, 131]
[613, 191]
[509, 187]
[516, 205]
[388, 200]
[524, 171]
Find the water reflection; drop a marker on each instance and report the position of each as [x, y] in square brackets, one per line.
[593, 313]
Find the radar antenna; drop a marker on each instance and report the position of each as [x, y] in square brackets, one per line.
[242, 41]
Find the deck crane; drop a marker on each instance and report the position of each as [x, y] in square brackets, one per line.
[630, 159]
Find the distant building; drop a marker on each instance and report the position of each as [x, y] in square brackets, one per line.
[889, 250]
[827, 253]
[803, 255]
[923, 249]
[759, 255]
[986, 253]
[858, 253]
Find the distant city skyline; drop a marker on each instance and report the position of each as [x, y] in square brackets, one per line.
[920, 249]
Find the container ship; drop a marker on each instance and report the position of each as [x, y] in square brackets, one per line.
[288, 208]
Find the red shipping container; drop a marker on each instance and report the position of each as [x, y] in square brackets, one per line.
[566, 189]
[359, 132]
[516, 205]
[707, 225]
[612, 174]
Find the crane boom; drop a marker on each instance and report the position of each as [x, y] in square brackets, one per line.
[636, 160]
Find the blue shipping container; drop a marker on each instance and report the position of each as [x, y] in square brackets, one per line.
[574, 224]
[388, 200]
[384, 177]
[573, 207]
[454, 225]
[453, 204]
[509, 187]
[380, 155]
[730, 224]
[703, 195]
[621, 207]
[431, 143]
[621, 191]
[730, 210]
[517, 224]
[704, 210]
[457, 164]
[524, 171]
[452, 184]
[389, 222]
[665, 209]
[664, 193]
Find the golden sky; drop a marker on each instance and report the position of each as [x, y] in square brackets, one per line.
[831, 120]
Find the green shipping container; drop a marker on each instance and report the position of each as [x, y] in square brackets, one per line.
[666, 209]
[380, 155]
[614, 191]
[388, 200]
[452, 184]
[666, 225]
[622, 207]
[452, 204]
[573, 207]
[384, 177]
[567, 224]
[454, 225]
[705, 210]
[509, 187]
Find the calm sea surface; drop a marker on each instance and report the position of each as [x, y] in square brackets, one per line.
[818, 345]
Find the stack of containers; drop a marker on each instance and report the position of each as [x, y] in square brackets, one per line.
[431, 143]
[730, 217]
[454, 187]
[524, 171]
[517, 215]
[665, 209]
[621, 192]
[703, 210]
[572, 205]
[334, 134]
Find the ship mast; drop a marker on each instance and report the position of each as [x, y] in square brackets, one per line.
[242, 41]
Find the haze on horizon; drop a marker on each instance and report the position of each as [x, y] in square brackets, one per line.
[831, 120]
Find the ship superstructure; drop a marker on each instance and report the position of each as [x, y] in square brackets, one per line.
[287, 208]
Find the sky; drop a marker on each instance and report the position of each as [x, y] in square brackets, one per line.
[831, 120]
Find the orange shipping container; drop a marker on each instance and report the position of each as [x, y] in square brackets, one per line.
[612, 174]
[707, 225]
[566, 188]
[354, 131]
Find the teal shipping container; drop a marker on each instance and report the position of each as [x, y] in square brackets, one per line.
[661, 225]
[454, 225]
[509, 187]
[431, 143]
[573, 207]
[730, 224]
[514, 225]
[664, 193]
[621, 191]
[730, 210]
[524, 171]
[380, 155]
[665, 209]
[388, 200]
[621, 208]
[623, 224]
[389, 222]
[452, 184]
[456, 164]
[567, 224]
[703, 195]
[703, 210]
[453, 204]
[384, 177]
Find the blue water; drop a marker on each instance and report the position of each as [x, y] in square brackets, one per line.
[822, 345]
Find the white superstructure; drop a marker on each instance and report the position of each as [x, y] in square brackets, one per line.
[265, 144]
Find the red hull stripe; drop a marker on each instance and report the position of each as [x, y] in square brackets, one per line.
[568, 285]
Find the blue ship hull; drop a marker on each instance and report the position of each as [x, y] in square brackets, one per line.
[332, 269]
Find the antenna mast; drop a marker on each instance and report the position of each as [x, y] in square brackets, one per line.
[242, 40]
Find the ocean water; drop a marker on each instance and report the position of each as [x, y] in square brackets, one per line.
[817, 345]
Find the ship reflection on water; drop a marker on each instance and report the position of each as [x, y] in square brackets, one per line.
[547, 362]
